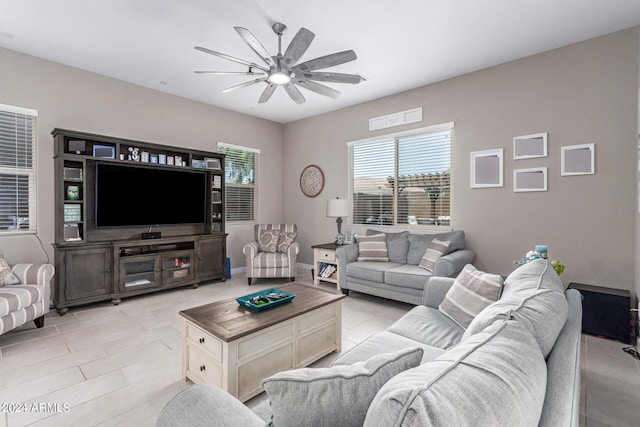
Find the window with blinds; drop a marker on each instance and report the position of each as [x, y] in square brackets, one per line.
[240, 172]
[17, 169]
[403, 180]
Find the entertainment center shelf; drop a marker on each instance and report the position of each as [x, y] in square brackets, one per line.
[133, 217]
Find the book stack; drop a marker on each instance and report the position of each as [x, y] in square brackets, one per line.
[327, 270]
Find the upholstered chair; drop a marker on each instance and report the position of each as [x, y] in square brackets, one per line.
[25, 291]
[274, 252]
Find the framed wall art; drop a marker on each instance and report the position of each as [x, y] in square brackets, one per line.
[530, 179]
[530, 146]
[312, 181]
[487, 168]
[577, 160]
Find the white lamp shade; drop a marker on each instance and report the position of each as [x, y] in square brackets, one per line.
[337, 208]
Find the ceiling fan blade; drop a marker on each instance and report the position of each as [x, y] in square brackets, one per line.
[317, 87]
[298, 46]
[230, 73]
[326, 61]
[266, 94]
[333, 77]
[241, 85]
[254, 44]
[294, 93]
[230, 58]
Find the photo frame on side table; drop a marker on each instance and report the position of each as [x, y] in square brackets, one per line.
[530, 179]
[577, 160]
[530, 146]
[487, 168]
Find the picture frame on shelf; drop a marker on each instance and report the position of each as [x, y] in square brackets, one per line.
[72, 212]
[162, 159]
[153, 158]
[200, 164]
[530, 146]
[104, 151]
[577, 160]
[487, 168]
[170, 160]
[530, 179]
[212, 163]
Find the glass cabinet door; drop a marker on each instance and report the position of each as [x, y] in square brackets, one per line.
[178, 267]
[139, 272]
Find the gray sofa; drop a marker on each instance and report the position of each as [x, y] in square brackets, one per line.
[517, 363]
[400, 278]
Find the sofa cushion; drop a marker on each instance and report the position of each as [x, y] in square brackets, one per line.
[427, 325]
[372, 271]
[456, 237]
[7, 277]
[268, 240]
[418, 244]
[536, 274]
[436, 249]
[385, 342]
[15, 298]
[495, 378]
[407, 276]
[270, 260]
[542, 311]
[335, 396]
[472, 292]
[397, 245]
[285, 239]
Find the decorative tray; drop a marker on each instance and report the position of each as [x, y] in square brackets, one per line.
[265, 299]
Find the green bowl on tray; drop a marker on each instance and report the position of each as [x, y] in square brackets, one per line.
[266, 299]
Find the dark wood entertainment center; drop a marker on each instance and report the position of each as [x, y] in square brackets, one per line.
[97, 263]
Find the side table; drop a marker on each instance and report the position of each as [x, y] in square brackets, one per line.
[325, 263]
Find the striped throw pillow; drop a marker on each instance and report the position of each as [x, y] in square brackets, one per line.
[7, 277]
[471, 292]
[436, 249]
[373, 248]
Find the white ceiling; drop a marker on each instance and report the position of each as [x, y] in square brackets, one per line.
[401, 44]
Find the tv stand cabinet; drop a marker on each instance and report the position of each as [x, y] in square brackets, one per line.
[101, 264]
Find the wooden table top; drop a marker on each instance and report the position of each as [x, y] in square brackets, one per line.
[229, 321]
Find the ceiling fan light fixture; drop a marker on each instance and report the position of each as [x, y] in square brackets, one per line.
[279, 77]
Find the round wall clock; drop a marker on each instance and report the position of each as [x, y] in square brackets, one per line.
[311, 181]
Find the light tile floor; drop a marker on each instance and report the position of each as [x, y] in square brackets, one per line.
[118, 365]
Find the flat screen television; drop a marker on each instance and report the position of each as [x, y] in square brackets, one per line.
[130, 196]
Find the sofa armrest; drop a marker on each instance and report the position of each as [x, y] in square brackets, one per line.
[345, 254]
[292, 254]
[206, 405]
[250, 250]
[452, 264]
[435, 290]
[34, 274]
[562, 400]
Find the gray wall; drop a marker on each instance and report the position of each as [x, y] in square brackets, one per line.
[586, 92]
[579, 94]
[69, 98]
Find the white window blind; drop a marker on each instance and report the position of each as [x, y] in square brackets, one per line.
[17, 169]
[403, 180]
[240, 172]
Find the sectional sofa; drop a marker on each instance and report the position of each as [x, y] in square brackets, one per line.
[516, 363]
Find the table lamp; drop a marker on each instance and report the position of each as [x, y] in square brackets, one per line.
[337, 208]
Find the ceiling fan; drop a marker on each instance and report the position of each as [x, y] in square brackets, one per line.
[280, 70]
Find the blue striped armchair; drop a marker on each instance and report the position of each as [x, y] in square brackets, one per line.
[274, 252]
